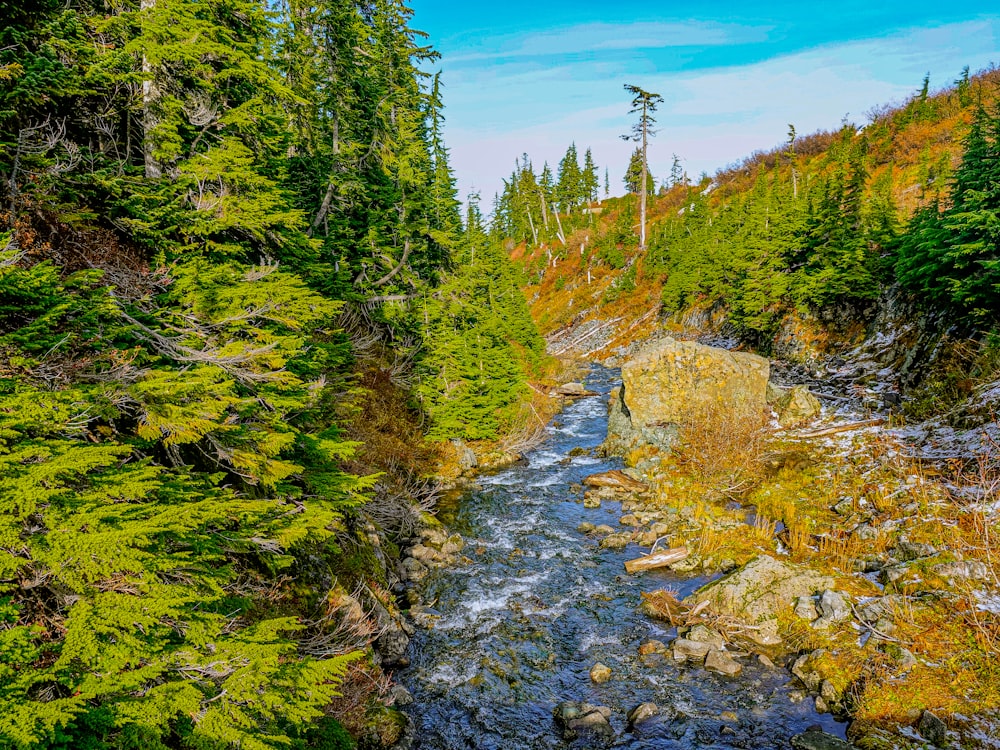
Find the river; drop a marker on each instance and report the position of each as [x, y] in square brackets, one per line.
[516, 631]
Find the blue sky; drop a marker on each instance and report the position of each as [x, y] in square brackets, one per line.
[531, 77]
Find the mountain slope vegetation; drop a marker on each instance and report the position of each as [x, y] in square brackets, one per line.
[819, 227]
[229, 237]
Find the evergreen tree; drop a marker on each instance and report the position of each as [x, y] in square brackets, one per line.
[570, 185]
[953, 255]
[644, 104]
[633, 175]
[589, 179]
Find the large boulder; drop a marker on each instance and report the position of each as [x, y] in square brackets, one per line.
[760, 589]
[669, 381]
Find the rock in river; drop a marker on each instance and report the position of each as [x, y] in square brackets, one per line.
[815, 739]
[600, 673]
[720, 662]
[642, 712]
[577, 719]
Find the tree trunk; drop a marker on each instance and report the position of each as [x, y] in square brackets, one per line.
[150, 93]
[642, 186]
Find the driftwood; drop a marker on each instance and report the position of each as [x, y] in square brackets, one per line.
[656, 560]
[615, 479]
[842, 428]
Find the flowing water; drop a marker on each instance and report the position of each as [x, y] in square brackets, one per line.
[516, 631]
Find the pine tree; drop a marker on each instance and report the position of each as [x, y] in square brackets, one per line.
[644, 104]
[589, 180]
[633, 175]
[570, 181]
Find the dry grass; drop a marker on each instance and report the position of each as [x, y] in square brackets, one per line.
[725, 446]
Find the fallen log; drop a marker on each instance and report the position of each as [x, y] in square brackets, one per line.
[656, 560]
[842, 428]
[615, 479]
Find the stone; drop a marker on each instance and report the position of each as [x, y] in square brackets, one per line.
[616, 542]
[805, 608]
[602, 530]
[815, 739]
[765, 661]
[760, 590]
[907, 550]
[668, 380]
[392, 645]
[834, 607]
[467, 460]
[845, 507]
[703, 634]
[764, 634]
[453, 544]
[685, 650]
[932, 729]
[413, 570]
[821, 705]
[802, 668]
[586, 527]
[798, 405]
[880, 607]
[642, 712]
[583, 718]
[575, 390]
[903, 657]
[829, 692]
[617, 480]
[660, 528]
[774, 393]
[426, 555]
[600, 673]
[399, 696]
[964, 570]
[720, 662]
[591, 500]
[893, 573]
[653, 647]
[628, 520]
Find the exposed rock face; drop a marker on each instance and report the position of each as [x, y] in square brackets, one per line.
[467, 460]
[760, 589]
[669, 380]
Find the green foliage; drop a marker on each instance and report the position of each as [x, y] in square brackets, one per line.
[192, 194]
[479, 343]
[951, 256]
[788, 241]
[618, 235]
[633, 175]
[118, 564]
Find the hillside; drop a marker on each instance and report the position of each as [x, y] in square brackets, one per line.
[804, 238]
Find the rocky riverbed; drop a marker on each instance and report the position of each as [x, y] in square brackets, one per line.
[531, 635]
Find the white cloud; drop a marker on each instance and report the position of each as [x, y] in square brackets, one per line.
[710, 117]
[591, 37]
